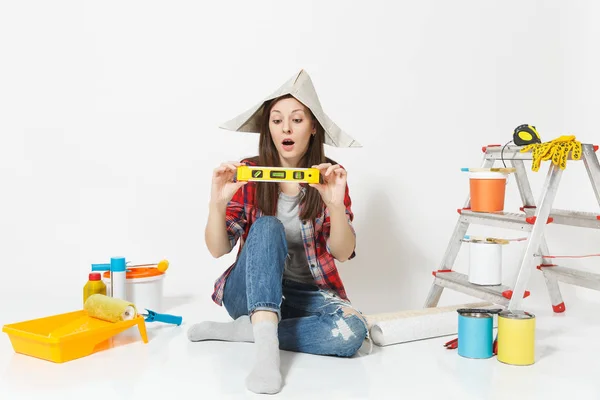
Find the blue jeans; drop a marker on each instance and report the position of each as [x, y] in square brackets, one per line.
[311, 320]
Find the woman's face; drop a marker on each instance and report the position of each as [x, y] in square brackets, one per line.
[291, 126]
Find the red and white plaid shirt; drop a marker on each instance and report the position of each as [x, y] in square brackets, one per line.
[242, 212]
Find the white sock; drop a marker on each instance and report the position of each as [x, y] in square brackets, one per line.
[239, 330]
[265, 377]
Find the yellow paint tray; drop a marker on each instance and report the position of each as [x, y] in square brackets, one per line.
[65, 337]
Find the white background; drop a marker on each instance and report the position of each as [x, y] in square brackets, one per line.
[109, 115]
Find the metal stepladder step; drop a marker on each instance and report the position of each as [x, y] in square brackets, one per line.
[532, 219]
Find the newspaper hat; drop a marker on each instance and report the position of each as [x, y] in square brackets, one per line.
[301, 87]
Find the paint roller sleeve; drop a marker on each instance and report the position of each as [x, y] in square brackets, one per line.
[109, 308]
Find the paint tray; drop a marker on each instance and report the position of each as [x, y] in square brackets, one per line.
[65, 337]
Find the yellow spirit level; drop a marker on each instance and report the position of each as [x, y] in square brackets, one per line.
[277, 174]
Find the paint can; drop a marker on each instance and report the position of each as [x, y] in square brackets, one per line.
[144, 288]
[516, 338]
[485, 263]
[487, 191]
[475, 337]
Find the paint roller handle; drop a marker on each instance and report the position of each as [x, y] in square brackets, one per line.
[166, 318]
[100, 267]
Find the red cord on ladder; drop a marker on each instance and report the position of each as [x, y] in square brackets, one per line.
[584, 256]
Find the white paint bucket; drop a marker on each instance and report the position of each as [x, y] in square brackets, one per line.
[144, 288]
[485, 263]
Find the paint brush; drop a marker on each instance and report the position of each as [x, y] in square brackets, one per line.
[503, 170]
[162, 265]
[475, 239]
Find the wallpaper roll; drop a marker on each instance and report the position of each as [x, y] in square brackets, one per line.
[109, 308]
[426, 323]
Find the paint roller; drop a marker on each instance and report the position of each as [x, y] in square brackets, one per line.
[112, 309]
[411, 325]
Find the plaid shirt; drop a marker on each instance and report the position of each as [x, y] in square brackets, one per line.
[242, 212]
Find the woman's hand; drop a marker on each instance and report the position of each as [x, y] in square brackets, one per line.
[333, 188]
[223, 187]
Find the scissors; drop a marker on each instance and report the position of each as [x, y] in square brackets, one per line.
[153, 316]
[453, 344]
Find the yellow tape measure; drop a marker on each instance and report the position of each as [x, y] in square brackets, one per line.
[277, 174]
[526, 134]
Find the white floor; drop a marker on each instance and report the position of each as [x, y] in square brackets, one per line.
[567, 366]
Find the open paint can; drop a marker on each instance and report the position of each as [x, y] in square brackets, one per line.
[475, 336]
[516, 338]
[485, 263]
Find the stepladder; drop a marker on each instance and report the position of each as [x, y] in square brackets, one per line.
[533, 218]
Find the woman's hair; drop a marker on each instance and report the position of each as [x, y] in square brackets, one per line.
[267, 193]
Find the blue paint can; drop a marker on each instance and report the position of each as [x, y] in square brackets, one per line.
[475, 335]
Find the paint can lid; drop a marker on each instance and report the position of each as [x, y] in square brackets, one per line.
[516, 314]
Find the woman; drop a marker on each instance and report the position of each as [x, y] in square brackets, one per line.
[284, 291]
